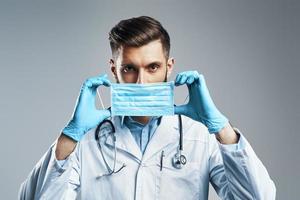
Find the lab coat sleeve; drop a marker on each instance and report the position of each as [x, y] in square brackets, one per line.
[51, 179]
[237, 173]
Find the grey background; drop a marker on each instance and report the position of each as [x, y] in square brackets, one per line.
[247, 50]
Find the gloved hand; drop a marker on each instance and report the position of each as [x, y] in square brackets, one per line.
[86, 116]
[200, 106]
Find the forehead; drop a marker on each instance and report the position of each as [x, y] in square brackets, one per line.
[153, 51]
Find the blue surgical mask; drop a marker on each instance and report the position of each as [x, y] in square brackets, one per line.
[153, 99]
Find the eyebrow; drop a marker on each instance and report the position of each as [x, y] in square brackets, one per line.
[155, 63]
[128, 64]
[150, 64]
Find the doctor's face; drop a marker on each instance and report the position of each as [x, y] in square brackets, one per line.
[145, 64]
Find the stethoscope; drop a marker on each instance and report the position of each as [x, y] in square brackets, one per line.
[178, 160]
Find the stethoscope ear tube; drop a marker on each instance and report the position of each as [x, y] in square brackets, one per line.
[97, 137]
[113, 130]
[179, 159]
[180, 133]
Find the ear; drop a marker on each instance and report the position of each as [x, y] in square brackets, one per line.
[113, 68]
[170, 65]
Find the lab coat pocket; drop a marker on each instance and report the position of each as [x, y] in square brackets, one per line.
[172, 183]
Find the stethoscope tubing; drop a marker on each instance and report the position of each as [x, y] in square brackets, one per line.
[177, 160]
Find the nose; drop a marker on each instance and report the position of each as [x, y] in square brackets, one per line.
[141, 77]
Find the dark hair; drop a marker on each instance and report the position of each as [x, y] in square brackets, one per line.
[138, 31]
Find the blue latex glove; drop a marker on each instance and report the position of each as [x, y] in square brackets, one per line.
[86, 116]
[200, 106]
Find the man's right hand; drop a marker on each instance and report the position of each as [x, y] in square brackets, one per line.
[86, 116]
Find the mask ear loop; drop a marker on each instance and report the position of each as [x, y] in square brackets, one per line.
[185, 99]
[98, 93]
[166, 80]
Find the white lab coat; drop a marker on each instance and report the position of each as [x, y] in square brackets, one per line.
[234, 173]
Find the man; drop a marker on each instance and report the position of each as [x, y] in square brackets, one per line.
[138, 163]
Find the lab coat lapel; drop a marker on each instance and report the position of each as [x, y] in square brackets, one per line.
[124, 139]
[166, 133]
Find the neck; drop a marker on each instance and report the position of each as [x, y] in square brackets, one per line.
[141, 119]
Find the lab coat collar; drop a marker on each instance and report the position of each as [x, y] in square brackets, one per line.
[122, 120]
[124, 139]
[167, 132]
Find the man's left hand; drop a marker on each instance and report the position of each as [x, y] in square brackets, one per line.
[200, 106]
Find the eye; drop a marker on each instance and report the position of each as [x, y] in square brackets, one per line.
[128, 69]
[153, 68]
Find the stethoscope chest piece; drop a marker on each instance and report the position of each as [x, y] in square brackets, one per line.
[179, 160]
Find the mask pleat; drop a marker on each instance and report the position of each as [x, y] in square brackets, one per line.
[155, 99]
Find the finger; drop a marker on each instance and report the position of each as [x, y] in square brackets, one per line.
[196, 76]
[106, 82]
[187, 77]
[104, 114]
[97, 81]
[183, 79]
[201, 78]
[177, 79]
[92, 82]
[182, 109]
[190, 80]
